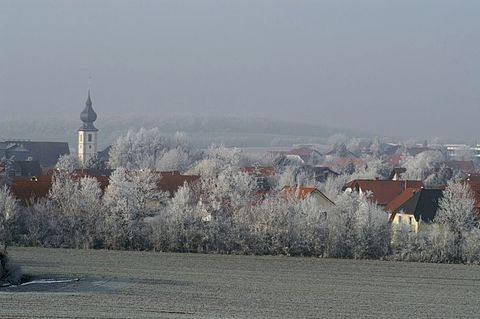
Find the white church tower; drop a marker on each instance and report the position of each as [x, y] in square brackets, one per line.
[87, 134]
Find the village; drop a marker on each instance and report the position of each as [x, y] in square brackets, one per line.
[148, 191]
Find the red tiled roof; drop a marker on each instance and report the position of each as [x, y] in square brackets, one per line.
[383, 191]
[31, 189]
[170, 183]
[400, 199]
[301, 192]
[28, 191]
[473, 177]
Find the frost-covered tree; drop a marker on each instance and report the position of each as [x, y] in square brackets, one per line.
[8, 207]
[6, 177]
[357, 228]
[130, 198]
[456, 213]
[181, 227]
[150, 149]
[77, 210]
[422, 165]
[68, 163]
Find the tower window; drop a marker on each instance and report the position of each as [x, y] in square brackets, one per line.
[81, 138]
[89, 137]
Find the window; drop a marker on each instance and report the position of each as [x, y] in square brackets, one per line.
[81, 137]
[89, 147]
[399, 219]
[89, 137]
[410, 220]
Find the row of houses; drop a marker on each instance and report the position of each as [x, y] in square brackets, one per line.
[407, 202]
[28, 190]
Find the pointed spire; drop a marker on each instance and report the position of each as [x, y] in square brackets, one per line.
[88, 115]
[89, 100]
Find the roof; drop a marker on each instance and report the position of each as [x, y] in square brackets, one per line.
[400, 199]
[341, 149]
[171, 181]
[423, 204]
[341, 162]
[383, 191]
[46, 153]
[304, 192]
[397, 171]
[464, 166]
[265, 171]
[415, 150]
[28, 190]
[475, 187]
[27, 168]
[473, 177]
[91, 172]
[304, 153]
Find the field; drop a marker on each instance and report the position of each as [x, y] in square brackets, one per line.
[114, 284]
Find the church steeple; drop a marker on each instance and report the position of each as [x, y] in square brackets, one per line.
[87, 133]
[88, 116]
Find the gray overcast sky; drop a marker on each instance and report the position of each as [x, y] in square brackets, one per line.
[404, 67]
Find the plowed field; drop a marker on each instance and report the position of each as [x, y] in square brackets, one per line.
[113, 284]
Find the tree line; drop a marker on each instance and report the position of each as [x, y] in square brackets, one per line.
[229, 210]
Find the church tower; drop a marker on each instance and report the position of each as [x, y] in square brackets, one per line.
[87, 133]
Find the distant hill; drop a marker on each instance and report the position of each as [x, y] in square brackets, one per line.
[202, 131]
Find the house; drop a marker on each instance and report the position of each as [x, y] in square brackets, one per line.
[381, 192]
[414, 207]
[339, 151]
[309, 195]
[467, 167]
[300, 155]
[396, 173]
[474, 183]
[28, 190]
[15, 151]
[389, 148]
[415, 150]
[319, 173]
[171, 181]
[263, 174]
[46, 153]
[21, 168]
[26, 168]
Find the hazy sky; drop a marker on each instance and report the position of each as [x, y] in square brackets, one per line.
[404, 67]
